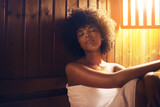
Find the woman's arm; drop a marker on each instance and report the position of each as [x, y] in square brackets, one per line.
[84, 75]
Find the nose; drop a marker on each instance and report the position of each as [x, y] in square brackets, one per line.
[88, 35]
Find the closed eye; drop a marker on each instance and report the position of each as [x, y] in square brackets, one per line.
[93, 30]
[80, 34]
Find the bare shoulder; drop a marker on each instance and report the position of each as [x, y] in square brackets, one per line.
[71, 69]
[70, 66]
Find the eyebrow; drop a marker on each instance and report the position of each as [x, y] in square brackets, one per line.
[79, 31]
[91, 26]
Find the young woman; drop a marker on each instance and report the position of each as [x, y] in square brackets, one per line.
[93, 82]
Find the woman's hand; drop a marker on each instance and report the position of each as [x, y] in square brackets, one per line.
[152, 88]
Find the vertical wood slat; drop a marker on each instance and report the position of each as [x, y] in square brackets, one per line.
[108, 9]
[71, 4]
[144, 14]
[2, 38]
[83, 3]
[59, 46]
[14, 49]
[129, 12]
[46, 39]
[102, 5]
[119, 47]
[136, 13]
[153, 12]
[147, 45]
[154, 45]
[31, 38]
[126, 47]
[93, 4]
[159, 43]
[142, 45]
[132, 46]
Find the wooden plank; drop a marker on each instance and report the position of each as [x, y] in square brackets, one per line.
[154, 44]
[102, 5]
[115, 11]
[83, 3]
[126, 47]
[58, 101]
[159, 43]
[147, 46]
[2, 38]
[108, 7]
[93, 4]
[31, 85]
[46, 39]
[142, 45]
[71, 4]
[119, 47]
[13, 90]
[14, 50]
[32, 38]
[59, 55]
[133, 42]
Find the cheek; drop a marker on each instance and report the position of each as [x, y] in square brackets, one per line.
[81, 41]
[98, 37]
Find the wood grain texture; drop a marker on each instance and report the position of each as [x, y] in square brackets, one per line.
[2, 38]
[31, 38]
[58, 101]
[93, 4]
[102, 5]
[59, 58]
[14, 90]
[14, 49]
[82, 3]
[46, 39]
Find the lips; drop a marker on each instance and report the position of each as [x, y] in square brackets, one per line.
[89, 41]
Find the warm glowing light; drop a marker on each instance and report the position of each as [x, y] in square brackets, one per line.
[125, 12]
[133, 12]
[140, 10]
[157, 17]
[149, 11]
[145, 10]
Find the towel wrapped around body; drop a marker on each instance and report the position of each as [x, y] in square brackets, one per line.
[84, 96]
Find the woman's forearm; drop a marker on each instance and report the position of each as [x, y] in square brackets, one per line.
[136, 71]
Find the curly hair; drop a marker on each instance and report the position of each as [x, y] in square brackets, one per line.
[79, 18]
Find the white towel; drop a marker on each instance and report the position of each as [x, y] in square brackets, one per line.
[83, 96]
[126, 96]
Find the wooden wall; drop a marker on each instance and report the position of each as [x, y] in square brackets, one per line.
[137, 46]
[33, 55]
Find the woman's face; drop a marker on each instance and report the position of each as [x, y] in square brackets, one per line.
[89, 38]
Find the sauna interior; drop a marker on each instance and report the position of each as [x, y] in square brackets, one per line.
[33, 55]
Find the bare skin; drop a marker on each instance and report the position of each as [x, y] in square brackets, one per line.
[92, 71]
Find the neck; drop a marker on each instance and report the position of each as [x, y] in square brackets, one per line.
[93, 58]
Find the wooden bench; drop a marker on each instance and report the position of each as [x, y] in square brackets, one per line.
[47, 92]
